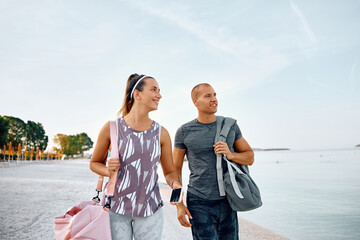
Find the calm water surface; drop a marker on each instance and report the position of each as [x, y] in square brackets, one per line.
[307, 194]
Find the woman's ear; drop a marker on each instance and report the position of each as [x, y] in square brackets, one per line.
[137, 94]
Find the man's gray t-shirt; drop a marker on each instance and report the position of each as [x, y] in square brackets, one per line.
[198, 140]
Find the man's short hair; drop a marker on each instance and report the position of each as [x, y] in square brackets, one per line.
[195, 90]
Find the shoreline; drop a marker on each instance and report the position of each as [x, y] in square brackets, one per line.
[40, 191]
[247, 230]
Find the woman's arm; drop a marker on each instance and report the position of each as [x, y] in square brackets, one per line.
[171, 175]
[182, 211]
[97, 162]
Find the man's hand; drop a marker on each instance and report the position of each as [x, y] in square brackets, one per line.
[182, 211]
[222, 148]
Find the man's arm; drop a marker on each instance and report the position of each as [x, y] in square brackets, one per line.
[178, 158]
[182, 211]
[243, 152]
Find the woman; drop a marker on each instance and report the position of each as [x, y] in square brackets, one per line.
[136, 210]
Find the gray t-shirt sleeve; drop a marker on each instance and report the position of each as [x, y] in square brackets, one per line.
[179, 139]
[233, 135]
[238, 133]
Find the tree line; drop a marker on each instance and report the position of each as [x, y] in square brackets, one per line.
[31, 135]
[16, 131]
[72, 145]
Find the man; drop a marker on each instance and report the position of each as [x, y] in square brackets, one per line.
[210, 214]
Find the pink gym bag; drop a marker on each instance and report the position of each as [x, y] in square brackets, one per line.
[88, 219]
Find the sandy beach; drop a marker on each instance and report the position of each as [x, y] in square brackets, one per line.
[34, 193]
[248, 230]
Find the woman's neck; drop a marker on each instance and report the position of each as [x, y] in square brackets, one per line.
[138, 120]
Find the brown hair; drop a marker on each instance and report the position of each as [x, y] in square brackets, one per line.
[128, 99]
[195, 90]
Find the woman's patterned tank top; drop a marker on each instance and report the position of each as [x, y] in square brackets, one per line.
[137, 190]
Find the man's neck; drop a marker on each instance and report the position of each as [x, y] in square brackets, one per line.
[206, 118]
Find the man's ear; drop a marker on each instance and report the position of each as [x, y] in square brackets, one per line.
[194, 100]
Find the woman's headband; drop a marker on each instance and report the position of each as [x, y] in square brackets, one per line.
[132, 91]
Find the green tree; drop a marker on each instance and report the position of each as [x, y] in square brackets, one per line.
[28, 134]
[35, 135]
[86, 143]
[72, 145]
[63, 141]
[17, 130]
[4, 129]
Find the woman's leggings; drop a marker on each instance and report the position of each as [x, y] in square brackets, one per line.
[141, 228]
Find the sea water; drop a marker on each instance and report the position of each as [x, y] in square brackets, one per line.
[307, 194]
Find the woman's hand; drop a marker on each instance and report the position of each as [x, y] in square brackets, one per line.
[113, 165]
[176, 184]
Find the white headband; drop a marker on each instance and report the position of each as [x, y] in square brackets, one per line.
[132, 91]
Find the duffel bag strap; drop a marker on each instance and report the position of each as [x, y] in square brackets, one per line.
[114, 152]
[98, 189]
[233, 179]
[221, 135]
[219, 170]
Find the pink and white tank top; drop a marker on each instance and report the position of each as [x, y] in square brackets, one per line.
[136, 190]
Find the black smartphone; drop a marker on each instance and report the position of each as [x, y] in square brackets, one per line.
[176, 195]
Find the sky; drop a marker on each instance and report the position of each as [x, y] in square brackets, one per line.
[288, 71]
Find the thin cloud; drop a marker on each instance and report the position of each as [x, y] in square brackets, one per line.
[187, 24]
[250, 54]
[354, 67]
[320, 84]
[213, 37]
[304, 23]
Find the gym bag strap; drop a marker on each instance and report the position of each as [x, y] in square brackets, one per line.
[219, 171]
[240, 189]
[110, 186]
[114, 153]
[89, 219]
[221, 134]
